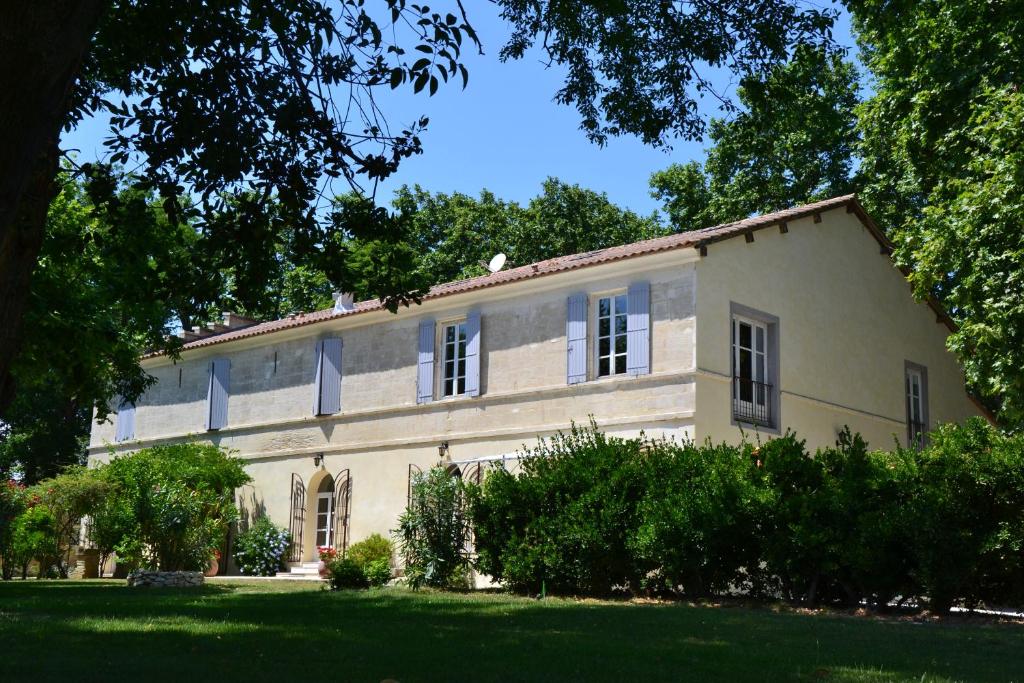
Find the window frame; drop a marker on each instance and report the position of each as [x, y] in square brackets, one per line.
[441, 358]
[738, 313]
[594, 325]
[917, 432]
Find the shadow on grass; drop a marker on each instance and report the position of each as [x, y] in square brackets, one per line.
[103, 631]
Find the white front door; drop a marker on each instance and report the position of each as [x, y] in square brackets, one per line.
[325, 520]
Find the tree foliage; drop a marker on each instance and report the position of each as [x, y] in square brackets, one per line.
[792, 142]
[639, 68]
[455, 232]
[943, 171]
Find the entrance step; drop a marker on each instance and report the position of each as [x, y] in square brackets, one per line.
[306, 570]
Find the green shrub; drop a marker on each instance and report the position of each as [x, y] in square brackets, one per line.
[372, 548]
[701, 518]
[346, 573]
[69, 497]
[262, 549]
[13, 499]
[565, 521]
[170, 506]
[377, 572]
[967, 517]
[433, 531]
[35, 538]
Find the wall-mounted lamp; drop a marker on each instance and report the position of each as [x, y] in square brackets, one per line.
[442, 450]
[318, 459]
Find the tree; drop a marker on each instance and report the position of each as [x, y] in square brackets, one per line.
[455, 232]
[793, 142]
[215, 100]
[943, 174]
[212, 100]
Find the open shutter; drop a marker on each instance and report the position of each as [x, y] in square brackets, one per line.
[638, 329]
[328, 377]
[217, 394]
[318, 375]
[125, 422]
[473, 354]
[425, 374]
[576, 336]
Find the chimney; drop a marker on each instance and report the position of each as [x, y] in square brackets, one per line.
[233, 321]
[343, 302]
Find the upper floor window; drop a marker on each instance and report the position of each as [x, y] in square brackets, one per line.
[458, 358]
[754, 361]
[454, 339]
[916, 384]
[612, 341]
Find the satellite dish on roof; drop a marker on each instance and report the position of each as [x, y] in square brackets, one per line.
[497, 263]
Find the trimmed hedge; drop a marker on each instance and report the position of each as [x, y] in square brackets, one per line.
[589, 514]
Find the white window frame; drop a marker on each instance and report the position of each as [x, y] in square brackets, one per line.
[613, 356]
[329, 528]
[915, 393]
[453, 354]
[758, 350]
[763, 409]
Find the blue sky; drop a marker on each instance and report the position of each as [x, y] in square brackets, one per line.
[504, 132]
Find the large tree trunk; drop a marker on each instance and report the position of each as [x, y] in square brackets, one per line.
[42, 43]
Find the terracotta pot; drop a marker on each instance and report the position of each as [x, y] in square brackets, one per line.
[323, 570]
[213, 568]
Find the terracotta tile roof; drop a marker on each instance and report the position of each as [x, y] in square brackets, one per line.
[693, 239]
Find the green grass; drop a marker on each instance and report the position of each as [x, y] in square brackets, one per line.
[104, 631]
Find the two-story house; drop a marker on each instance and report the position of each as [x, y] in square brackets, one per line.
[793, 320]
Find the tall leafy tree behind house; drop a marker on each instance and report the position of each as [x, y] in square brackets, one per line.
[100, 298]
[944, 173]
[794, 141]
[455, 232]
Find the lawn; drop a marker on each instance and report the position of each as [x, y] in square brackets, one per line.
[104, 631]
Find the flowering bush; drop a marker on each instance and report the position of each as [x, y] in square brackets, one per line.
[261, 550]
[326, 553]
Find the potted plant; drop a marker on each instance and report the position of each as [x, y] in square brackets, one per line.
[214, 565]
[326, 555]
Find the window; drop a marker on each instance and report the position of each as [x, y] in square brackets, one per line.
[453, 337]
[612, 312]
[916, 385]
[754, 360]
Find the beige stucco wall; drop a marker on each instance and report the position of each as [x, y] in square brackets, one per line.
[381, 429]
[847, 324]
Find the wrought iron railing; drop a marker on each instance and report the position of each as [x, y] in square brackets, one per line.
[916, 432]
[752, 402]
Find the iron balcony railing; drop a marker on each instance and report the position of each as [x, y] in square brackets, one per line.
[752, 402]
[916, 432]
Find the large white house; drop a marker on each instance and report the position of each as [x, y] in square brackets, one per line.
[793, 320]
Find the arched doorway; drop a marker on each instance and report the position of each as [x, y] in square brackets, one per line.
[320, 514]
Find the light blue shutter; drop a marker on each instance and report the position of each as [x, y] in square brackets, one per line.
[638, 329]
[330, 377]
[576, 336]
[473, 354]
[125, 422]
[318, 377]
[425, 374]
[217, 395]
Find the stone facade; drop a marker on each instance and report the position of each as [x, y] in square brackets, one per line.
[840, 365]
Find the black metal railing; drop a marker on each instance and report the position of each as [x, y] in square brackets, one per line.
[752, 402]
[916, 433]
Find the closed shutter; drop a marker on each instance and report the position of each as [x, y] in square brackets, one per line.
[473, 354]
[329, 376]
[576, 336]
[217, 394]
[425, 362]
[638, 329]
[125, 422]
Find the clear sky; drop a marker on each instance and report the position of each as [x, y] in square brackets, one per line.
[504, 132]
